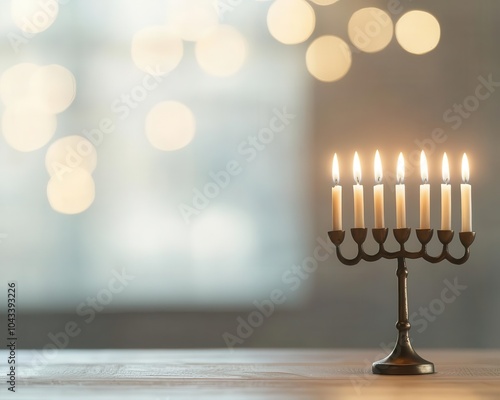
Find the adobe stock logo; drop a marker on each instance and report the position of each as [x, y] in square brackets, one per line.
[87, 311]
[32, 17]
[249, 149]
[456, 114]
[420, 320]
[291, 280]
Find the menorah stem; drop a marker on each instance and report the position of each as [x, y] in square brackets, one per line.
[403, 324]
[403, 360]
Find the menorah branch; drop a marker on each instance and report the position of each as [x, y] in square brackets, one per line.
[402, 235]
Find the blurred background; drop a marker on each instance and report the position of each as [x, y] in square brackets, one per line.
[166, 168]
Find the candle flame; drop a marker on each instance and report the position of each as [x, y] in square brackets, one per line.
[446, 169]
[335, 170]
[465, 169]
[424, 171]
[378, 168]
[401, 169]
[356, 168]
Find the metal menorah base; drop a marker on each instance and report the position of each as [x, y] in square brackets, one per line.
[403, 360]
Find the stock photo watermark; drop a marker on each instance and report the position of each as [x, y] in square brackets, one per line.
[11, 335]
[249, 149]
[420, 321]
[36, 23]
[291, 280]
[364, 36]
[121, 107]
[453, 117]
[87, 311]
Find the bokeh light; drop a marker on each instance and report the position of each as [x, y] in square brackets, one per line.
[291, 21]
[34, 16]
[222, 52]
[27, 128]
[170, 125]
[68, 153]
[73, 193]
[192, 19]
[370, 29]
[418, 32]
[15, 84]
[156, 50]
[324, 2]
[328, 58]
[53, 88]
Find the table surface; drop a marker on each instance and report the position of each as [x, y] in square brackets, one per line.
[245, 374]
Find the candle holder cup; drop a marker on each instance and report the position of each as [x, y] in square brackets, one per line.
[403, 360]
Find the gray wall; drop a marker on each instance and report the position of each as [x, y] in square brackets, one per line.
[390, 101]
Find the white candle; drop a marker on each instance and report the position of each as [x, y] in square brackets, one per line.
[445, 196]
[400, 194]
[425, 194]
[359, 206]
[336, 196]
[465, 190]
[378, 193]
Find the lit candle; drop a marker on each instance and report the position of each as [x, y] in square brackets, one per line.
[336, 196]
[446, 196]
[400, 194]
[425, 194]
[465, 189]
[378, 193]
[359, 207]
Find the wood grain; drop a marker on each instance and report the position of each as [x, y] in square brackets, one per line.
[247, 374]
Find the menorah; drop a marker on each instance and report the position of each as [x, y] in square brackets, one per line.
[403, 360]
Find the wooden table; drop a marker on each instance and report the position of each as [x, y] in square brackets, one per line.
[246, 374]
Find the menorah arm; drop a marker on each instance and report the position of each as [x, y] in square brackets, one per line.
[374, 257]
[359, 236]
[391, 255]
[337, 237]
[445, 237]
[466, 238]
[401, 235]
[350, 261]
[460, 260]
[380, 235]
[436, 259]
